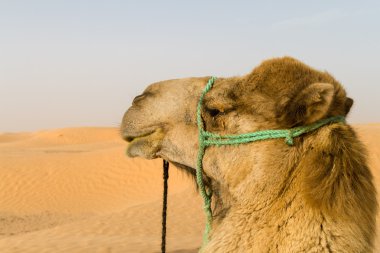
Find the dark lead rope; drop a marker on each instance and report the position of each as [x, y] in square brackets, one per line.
[164, 206]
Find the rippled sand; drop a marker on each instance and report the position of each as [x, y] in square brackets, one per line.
[74, 190]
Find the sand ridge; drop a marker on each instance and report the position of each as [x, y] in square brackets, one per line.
[74, 190]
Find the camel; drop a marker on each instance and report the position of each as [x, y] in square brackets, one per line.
[316, 195]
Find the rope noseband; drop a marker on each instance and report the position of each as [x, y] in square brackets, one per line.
[208, 139]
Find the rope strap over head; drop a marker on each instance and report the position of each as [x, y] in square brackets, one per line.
[208, 139]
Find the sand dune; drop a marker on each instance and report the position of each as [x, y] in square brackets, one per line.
[74, 190]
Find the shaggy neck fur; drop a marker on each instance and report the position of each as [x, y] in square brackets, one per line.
[283, 212]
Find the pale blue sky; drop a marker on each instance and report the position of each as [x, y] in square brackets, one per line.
[80, 62]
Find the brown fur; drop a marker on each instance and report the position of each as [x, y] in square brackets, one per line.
[315, 196]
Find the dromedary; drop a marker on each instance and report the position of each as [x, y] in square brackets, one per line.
[314, 196]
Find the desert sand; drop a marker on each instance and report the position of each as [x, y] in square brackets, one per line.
[74, 190]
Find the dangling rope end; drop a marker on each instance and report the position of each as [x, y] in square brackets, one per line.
[164, 205]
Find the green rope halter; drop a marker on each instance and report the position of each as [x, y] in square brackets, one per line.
[208, 139]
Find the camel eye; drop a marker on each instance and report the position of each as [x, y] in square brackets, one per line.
[213, 112]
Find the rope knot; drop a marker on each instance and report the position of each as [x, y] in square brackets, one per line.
[289, 138]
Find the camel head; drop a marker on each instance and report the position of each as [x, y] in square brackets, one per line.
[278, 94]
[259, 184]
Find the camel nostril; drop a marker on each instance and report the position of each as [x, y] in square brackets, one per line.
[137, 98]
[142, 96]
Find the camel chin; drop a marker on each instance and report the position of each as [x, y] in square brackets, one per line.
[146, 146]
[141, 148]
[150, 148]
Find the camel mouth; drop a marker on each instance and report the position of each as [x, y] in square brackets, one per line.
[130, 138]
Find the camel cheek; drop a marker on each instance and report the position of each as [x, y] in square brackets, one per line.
[236, 174]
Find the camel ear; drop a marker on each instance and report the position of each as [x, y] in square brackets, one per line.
[309, 105]
[347, 105]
